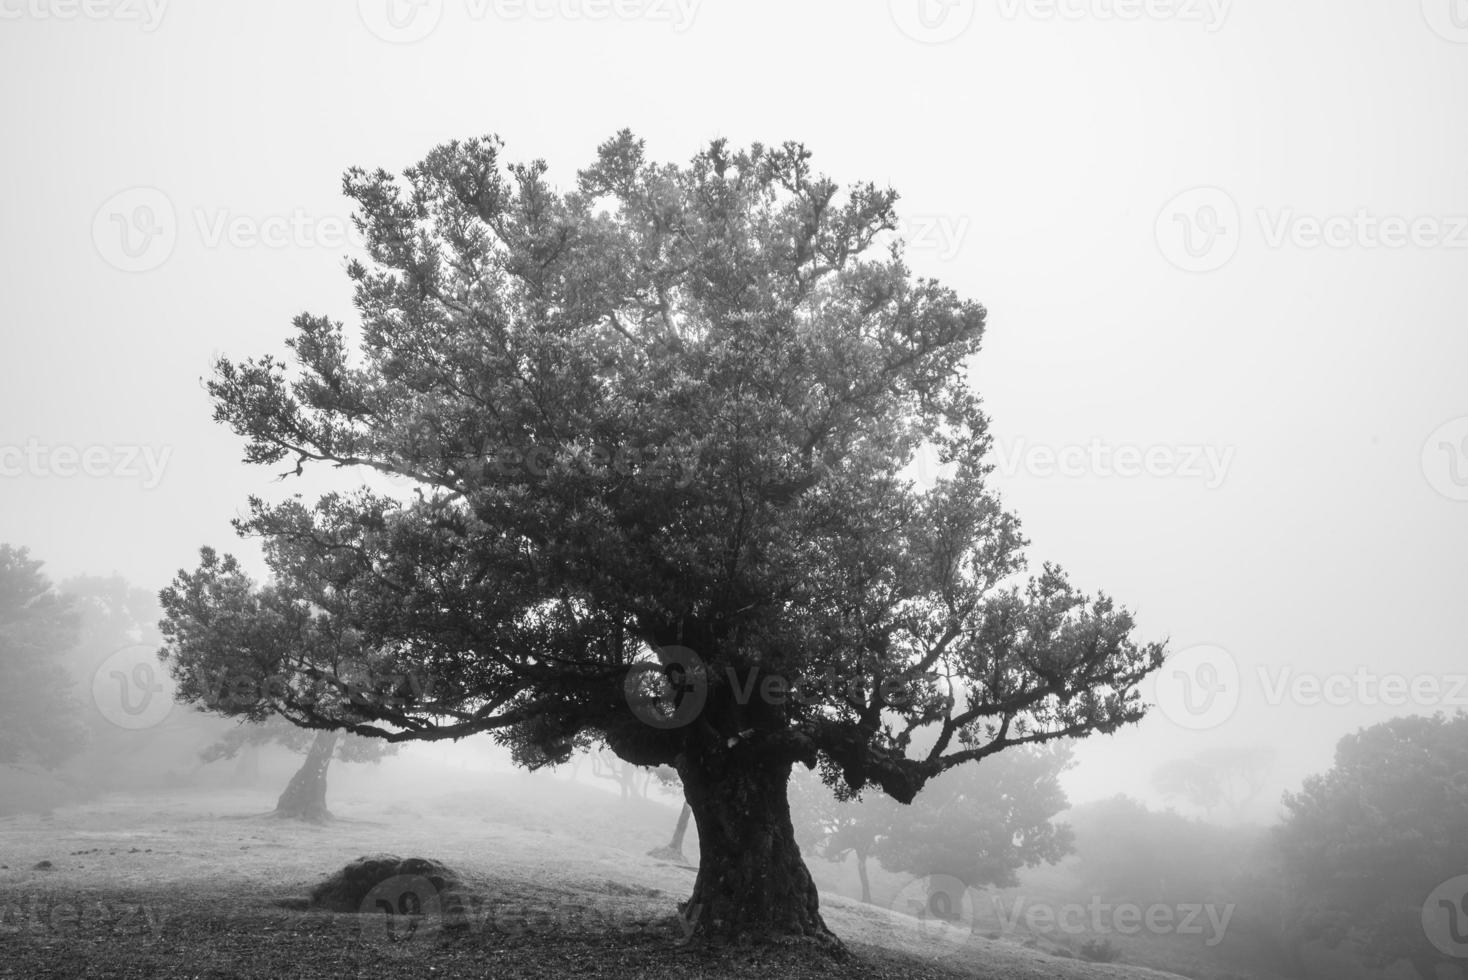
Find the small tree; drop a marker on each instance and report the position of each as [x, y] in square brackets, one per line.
[1366, 844]
[40, 715]
[304, 797]
[657, 427]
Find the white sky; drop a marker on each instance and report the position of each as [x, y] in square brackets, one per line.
[1039, 155]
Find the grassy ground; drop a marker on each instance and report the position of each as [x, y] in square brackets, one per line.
[178, 886]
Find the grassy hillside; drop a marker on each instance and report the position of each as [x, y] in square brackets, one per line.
[206, 886]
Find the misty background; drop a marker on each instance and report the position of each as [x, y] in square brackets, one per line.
[172, 193]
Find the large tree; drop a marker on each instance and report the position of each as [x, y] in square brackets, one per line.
[658, 426]
[1366, 845]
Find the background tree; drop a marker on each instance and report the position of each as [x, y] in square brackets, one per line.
[1365, 844]
[837, 826]
[304, 797]
[40, 713]
[658, 425]
[1223, 779]
[982, 823]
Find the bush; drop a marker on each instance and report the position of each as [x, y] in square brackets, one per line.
[1100, 950]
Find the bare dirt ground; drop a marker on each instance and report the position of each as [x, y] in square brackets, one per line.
[204, 887]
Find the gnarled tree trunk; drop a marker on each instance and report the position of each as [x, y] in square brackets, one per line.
[752, 885]
[305, 796]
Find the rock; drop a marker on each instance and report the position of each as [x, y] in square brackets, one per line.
[405, 884]
[42, 866]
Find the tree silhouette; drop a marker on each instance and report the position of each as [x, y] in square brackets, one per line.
[657, 427]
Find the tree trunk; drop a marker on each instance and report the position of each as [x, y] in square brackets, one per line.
[674, 849]
[861, 871]
[247, 767]
[752, 884]
[305, 796]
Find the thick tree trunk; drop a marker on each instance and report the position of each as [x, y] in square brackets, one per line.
[305, 796]
[752, 885]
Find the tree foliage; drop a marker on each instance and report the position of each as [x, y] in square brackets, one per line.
[1366, 843]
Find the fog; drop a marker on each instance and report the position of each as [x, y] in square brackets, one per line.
[1221, 246]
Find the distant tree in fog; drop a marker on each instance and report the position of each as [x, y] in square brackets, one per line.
[40, 713]
[658, 428]
[304, 797]
[980, 823]
[1222, 780]
[1365, 844]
